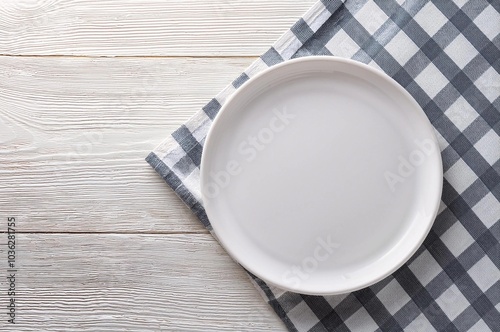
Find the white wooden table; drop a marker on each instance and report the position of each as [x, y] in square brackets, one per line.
[87, 89]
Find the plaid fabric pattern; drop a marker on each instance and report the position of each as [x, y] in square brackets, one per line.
[446, 54]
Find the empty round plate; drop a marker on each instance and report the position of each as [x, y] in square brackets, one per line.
[321, 175]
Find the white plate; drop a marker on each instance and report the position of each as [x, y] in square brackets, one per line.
[321, 175]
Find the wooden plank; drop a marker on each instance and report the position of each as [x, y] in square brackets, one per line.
[74, 133]
[116, 282]
[145, 27]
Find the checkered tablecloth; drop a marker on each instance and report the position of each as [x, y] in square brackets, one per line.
[446, 54]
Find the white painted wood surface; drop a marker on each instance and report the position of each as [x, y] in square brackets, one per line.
[128, 282]
[75, 133]
[145, 27]
[87, 89]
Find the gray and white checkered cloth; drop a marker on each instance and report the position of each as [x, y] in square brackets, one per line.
[446, 54]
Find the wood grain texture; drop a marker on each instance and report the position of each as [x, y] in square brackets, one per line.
[116, 282]
[145, 27]
[74, 133]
